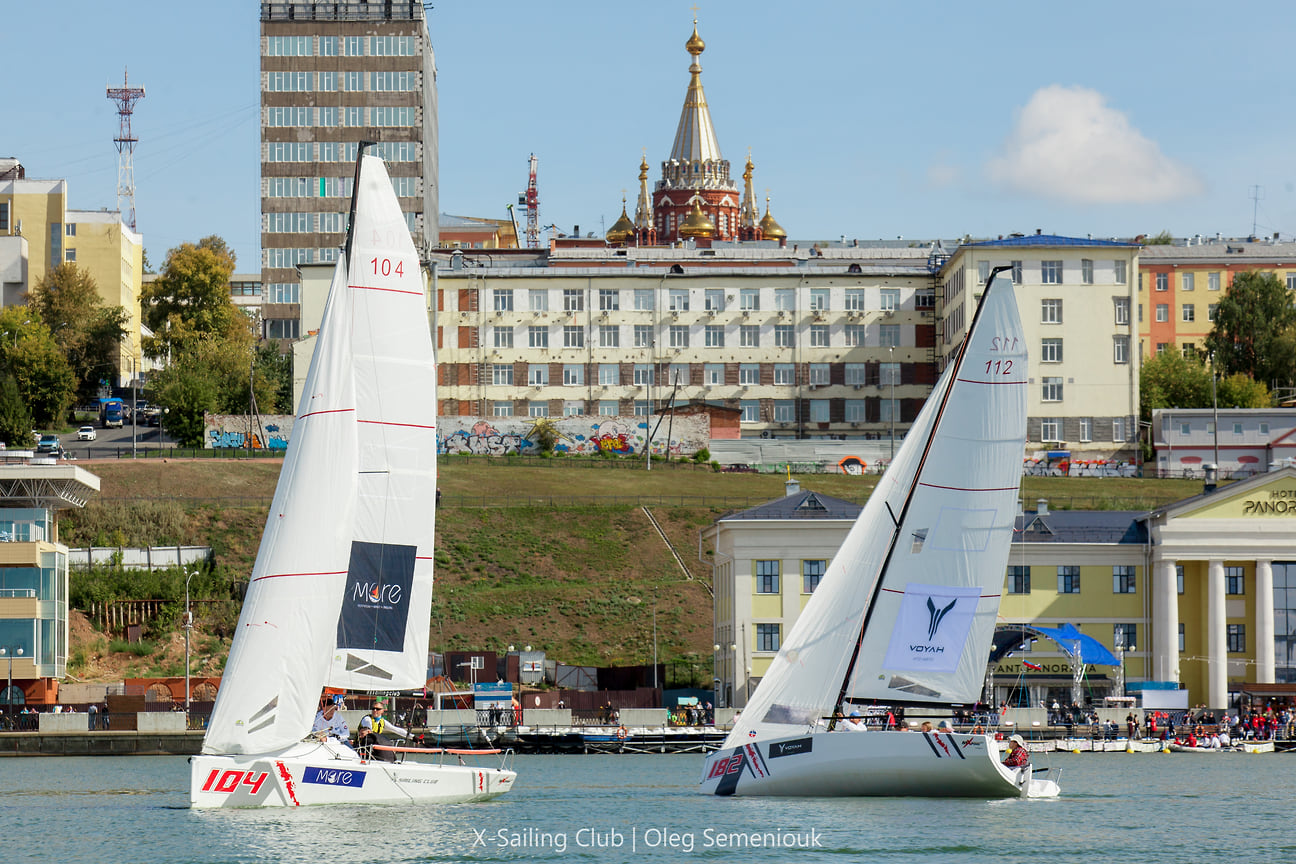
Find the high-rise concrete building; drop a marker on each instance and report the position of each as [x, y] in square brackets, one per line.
[332, 75]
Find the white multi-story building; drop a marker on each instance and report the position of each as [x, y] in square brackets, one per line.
[1075, 297]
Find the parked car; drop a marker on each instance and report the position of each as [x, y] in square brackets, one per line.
[49, 444]
[87, 433]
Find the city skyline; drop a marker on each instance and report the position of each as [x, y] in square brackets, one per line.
[1120, 121]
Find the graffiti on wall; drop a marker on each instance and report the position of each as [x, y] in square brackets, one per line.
[238, 431]
[1045, 467]
[578, 435]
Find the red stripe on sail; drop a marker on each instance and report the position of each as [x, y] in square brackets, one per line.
[387, 290]
[970, 488]
[975, 381]
[329, 411]
[285, 575]
[901, 591]
[390, 423]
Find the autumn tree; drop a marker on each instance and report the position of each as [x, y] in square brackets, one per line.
[1170, 380]
[86, 330]
[1255, 326]
[28, 351]
[190, 299]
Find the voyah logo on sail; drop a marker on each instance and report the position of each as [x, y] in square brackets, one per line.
[931, 628]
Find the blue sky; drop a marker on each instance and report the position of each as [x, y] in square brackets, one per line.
[864, 119]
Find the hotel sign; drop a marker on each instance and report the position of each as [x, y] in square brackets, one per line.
[1273, 502]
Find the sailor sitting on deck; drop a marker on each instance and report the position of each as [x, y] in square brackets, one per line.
[372, 732]
[1018, 756]
[331, 725]
[854, 723]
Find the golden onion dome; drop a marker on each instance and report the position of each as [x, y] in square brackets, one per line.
[697, 224]
[643, 169]
[622, 229]
[770, 229]
[695, 45]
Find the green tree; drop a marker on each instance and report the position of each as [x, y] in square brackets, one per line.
[190, 299]
[29, 352]
[209, 375]
[1242, 391]
[276, 369]
[15, 419]
[1253, 329]
[1165, 238]
[1170, 380]
[87, 332]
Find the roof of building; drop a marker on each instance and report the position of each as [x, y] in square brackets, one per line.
[1229, 251]
[801, 505]
[56, 486]
[695, 138]
[1081, 526]
[1047, 240]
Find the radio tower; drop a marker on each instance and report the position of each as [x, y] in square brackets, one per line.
[533, 208]
[126, 96]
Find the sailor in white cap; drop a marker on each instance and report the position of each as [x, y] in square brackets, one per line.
[1018, 756]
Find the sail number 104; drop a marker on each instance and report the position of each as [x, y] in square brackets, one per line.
[385, 267]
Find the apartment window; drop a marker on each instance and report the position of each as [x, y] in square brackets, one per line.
[854, 335]
[1086, 429]
[573, 300]
[1186, 281]
[1051, 351]
[890, 298]
[889, 335]
[69, 255]
[767, 637]
[1182, 639]
[749, 299]
[1018, 579]
[678, 300]
[856, 374]
[749, 336]
[1189, 312]
[784, 411]
[1123, 581]
[609, 374]
[856, 411]
[1236, 638]
[818, 299]
[784, 336]
[502, 374]
[1162, 281]
[355, 116]
[1016, 272]
[573, 336]
[712, 374]
[503, 300]
[573, 374]
[750, 410]
[328, 46]
[288, 82]
[608, 408]
[538, 300]
[501, 409]
[767, 576]
[1122, 309]
[680, 373]
[538, 409]
[819, 374]
[1125, 636]
[538, 375]
[1234, 580]
[538, 337]
[609, 299]
[1212, 281]
[811, 573]
[609, 336]
[983, 272]
[784, 300]
[714, 300]
[643, 374]
[749, 374]
[1291, 281]
[1163, 312]
[1264, 428]
[925, 299]
[1051, 272]
[818, 410]
[642, 408]
[573, 408]
[391, 46]
[643, 336]
[679, 336]
[503, 337]
[1211, 311]
[355, 46]
[1051, 429]
[1086, 271]
[818, 335]
[784, 374]
[714, 335]
[289, 46]
[1068, 579]
[1184, 428]
[1118, 269]
[1118, 429]
[1052, 390]
[888, 374]
[643, 300]
[854, 299]
[1051, 311]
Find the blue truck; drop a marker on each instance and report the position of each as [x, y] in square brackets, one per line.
[111, 412]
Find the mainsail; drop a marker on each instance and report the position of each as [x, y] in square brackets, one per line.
[905, 612]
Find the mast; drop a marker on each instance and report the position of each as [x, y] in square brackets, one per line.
[904, 510]
[355, 187]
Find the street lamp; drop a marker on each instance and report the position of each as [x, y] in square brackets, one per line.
[188, 625]
[9, 653]
[891, 406]
[1120, 657]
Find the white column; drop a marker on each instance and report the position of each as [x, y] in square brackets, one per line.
[1165, 622]
[1264, 623]
[1216, 633]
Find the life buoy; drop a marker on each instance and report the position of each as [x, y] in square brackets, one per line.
[621, 733]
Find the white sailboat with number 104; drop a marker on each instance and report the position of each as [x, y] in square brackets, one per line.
[341, 592]
[905, 613]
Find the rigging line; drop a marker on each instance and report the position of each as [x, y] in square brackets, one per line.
[913, 486]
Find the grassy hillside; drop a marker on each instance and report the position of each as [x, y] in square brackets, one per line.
[555, 554]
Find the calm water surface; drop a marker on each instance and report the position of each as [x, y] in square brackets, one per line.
[1144, 808]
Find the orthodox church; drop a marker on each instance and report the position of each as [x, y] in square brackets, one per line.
[695, 199]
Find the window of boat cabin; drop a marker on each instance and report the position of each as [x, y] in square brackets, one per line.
[767, 576]
[767, 637]
[811, 572]
[1018, 579]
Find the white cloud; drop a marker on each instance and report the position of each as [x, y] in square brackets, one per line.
[1070, 145]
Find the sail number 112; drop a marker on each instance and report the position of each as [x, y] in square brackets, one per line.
[384, 267]
[1001, 367]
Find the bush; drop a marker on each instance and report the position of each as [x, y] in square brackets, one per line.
[139, 649]
[703, 455]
